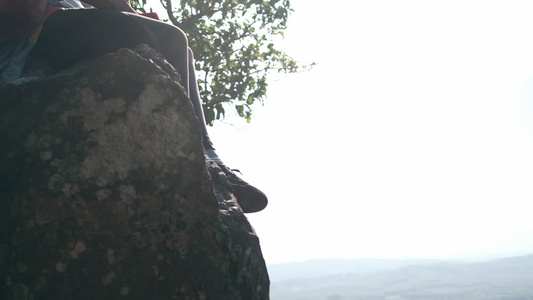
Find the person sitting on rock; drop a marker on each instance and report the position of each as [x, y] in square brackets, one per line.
[74, 31]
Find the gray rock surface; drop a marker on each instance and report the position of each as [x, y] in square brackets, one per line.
[105, 192]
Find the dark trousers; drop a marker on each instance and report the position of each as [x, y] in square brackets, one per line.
[70, 36]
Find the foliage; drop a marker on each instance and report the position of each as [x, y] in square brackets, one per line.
[234, 48]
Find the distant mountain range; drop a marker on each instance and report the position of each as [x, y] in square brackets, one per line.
[373, 279]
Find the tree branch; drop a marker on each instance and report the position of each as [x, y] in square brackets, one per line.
[168, 6]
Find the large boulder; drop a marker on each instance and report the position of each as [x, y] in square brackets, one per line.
[105, 192]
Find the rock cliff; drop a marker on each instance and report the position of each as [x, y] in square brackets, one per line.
[105, 192]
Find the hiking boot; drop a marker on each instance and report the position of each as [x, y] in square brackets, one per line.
[250, 198]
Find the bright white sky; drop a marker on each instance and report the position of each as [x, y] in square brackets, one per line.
[412, 137]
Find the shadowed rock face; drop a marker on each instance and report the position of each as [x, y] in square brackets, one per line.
[105, 192]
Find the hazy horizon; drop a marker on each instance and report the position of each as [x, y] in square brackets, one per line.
[459, 258]
[506, 278]
[521, 247]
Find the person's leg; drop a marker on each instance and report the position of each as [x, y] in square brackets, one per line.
[249, 197]
[70, 36]
[197, 101]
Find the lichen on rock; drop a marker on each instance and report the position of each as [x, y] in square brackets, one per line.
[105, 192]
